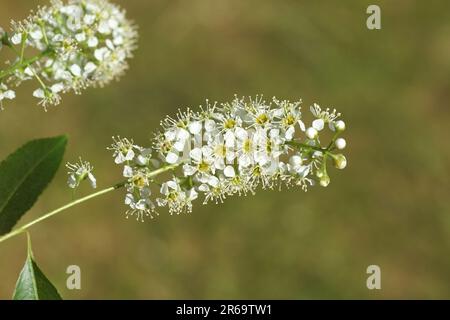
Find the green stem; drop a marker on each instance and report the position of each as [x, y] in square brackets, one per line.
[329, 147]
[78, 201]
[21, 65]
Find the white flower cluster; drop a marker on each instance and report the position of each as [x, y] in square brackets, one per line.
[81, 43]
[228, 149]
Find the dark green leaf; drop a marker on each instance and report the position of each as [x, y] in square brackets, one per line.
[24, 174]
[32, 283]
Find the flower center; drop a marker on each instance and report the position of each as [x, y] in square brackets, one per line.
[229, 124]
[289, 120]
[262, 119]
[247, 146]
[166, 147]
[139, 181]
[203, 166]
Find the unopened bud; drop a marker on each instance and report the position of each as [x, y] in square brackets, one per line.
[340, 161]
[339, 125]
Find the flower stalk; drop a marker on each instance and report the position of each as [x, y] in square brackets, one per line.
[74, 203]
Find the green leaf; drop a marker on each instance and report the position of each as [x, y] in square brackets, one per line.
[32, 283]
[24, 174]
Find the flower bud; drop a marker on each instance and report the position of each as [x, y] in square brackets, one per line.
[339, 125]
[340, 143]
[339, 161]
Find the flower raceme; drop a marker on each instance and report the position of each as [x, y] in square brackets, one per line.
[80, 44]
[227, 149]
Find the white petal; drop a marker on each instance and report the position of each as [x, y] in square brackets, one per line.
[9, 94]
[101, 54]
[28, 71]
[57, 87]
[241, 133]
[183, 134]
[89, 67]
[75, 70]
[17, 38]
[142, 160]
[195, 127]
[39, 93]
[179, 145]
[229, 172]
[273, 133]
[318, 124]
[289, 134]
[80, 37]
[302, 125]
[127, 171]
[244, 160]
[170, 135]
[130, 155]
[36, 34]
[219, 164]
[89, 19]
[92, 42]
[295, 161]
[129, 199]
[171, 158]
[196, 154]
[164, 189]
[213, 181]
[229, 139]
[120, 158]
[172, 185]
[192, 194]
[303, 171]
[207, 151]
[189, 170]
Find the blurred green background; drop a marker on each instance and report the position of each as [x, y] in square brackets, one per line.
[390, 207]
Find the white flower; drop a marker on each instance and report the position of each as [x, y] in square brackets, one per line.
[245, 147]
[177, 199]
[318, 124]
[39, 93]
[124, 150]
[326, 115]
[80, 171]
[202, 165]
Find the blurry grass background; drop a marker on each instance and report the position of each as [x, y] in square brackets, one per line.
[390, 207]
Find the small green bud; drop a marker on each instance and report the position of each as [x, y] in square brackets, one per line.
[339, 161]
